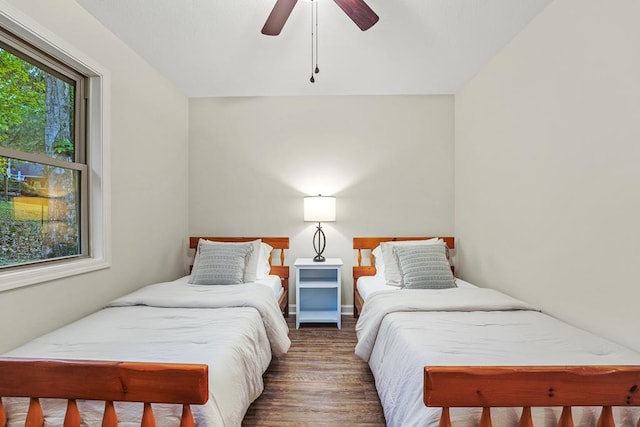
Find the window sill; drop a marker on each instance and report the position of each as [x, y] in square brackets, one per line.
[33, 275]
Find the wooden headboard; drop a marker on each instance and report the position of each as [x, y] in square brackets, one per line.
[279, 244]
[368, 244]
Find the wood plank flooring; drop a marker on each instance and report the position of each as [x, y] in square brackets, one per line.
[320, 382]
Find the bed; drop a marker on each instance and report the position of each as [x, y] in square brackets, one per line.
[168, 354]
[467, 356]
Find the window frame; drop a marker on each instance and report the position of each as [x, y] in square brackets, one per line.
[92, 148]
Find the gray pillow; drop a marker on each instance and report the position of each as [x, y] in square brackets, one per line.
[424, 267]
[219, 263]
[391, 268]
[251, 266]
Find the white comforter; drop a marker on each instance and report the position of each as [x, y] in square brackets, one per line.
[233, 329]
[179, 294]
[381, 303]
[401, 332]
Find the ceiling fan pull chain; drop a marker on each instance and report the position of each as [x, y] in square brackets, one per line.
[312, 79]
[317, 70]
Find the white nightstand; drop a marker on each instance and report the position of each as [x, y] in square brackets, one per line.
[318, 291]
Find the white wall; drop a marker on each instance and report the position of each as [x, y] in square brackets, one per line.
[388, 159]
[547, 164]
[149, 120]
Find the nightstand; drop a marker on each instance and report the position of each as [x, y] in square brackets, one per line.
[318, 287]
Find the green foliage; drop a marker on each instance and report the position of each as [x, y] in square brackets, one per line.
[63, 147]
[6, 210]
[20, 241]
[22, 104]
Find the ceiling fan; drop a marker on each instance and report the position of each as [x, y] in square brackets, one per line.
[357, 10]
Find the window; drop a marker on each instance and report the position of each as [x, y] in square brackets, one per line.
[43, 188]
[53, 216]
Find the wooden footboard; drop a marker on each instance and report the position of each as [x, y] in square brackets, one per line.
[184, 384]
[532, 386]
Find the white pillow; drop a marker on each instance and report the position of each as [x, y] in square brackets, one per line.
[379, 262]
[219, 263]
[263, 268]
[391, 269]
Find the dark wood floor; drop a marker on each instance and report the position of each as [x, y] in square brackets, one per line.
[320, 382]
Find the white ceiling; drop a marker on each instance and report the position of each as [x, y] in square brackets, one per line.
[215, 48]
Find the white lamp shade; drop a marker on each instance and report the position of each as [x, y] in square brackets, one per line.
[320, 208]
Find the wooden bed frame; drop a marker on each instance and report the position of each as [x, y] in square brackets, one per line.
[278, 244]
[115, 381]
[361, 244]
[532, 386]
[103, 381]
[489, 387]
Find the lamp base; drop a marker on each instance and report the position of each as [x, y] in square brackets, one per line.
[319, 243]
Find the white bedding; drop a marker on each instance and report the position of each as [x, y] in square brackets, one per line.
[274, 283]
[400, 332]
[234, 329]
[379, 304]
[271, 281]
[369, 284]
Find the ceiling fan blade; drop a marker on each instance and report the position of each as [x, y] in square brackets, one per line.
[359, 12]
[278, 16]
